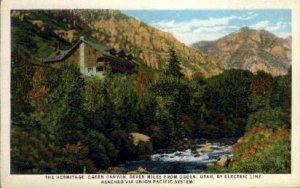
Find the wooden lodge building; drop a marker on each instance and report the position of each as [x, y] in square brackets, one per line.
[93, 58]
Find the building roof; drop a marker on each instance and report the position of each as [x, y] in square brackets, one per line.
[62, 54]
[57, 56]
[98, 46]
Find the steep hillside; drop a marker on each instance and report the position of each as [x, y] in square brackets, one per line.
[112, 28]
[35, 34]
[260, 150]
[252, 50]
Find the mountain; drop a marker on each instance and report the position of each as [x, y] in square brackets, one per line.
[45, 29]
[251, 50]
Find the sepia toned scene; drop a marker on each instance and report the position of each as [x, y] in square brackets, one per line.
[150, 91]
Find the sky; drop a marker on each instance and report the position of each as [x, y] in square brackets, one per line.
[190, 26]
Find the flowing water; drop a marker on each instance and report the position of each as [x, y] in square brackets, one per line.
[184, 161]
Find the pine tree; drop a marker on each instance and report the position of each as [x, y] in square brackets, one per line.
[174, 68]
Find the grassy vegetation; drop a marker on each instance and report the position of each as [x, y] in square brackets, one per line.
[261, 150]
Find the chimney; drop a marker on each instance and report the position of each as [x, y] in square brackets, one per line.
[82, 55]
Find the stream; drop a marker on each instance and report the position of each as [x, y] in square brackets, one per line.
[184, 161]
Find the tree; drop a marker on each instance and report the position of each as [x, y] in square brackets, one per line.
[226, 98]
[273, 117]
[261, 90]
[176, 101]
[110, 115]
[58, 102]
[174, 68]
[20, 84]
[281, 96]
[199, 77]
[103, 152]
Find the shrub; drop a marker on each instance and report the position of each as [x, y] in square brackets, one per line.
[274, 117]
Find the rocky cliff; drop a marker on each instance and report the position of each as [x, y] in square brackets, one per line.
[115, 29]
[252, 50]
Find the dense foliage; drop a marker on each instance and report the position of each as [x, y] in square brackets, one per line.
[266, 145]
[63, 122]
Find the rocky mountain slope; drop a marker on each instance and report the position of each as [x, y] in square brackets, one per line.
[112, 28]
[252, 50]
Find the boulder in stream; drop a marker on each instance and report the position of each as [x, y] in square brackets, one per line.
[197, 155]
[206, 148]
[143, 144]
[139, 170]
[224, 161]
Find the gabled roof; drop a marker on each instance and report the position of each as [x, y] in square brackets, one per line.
[98, 46]
[57, 56]
[62, 54]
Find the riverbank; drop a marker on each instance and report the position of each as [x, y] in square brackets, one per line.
[260, 150]
[193, 158]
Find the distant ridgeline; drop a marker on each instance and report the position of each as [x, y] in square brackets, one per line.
[93, 58]
[249, 49]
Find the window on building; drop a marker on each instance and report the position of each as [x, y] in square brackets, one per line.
[100, 69]
[90, 69]
[100, 59]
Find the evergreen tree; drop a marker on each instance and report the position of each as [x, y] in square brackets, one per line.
[174, 68]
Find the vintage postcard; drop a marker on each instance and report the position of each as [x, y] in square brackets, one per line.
[147, 94]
